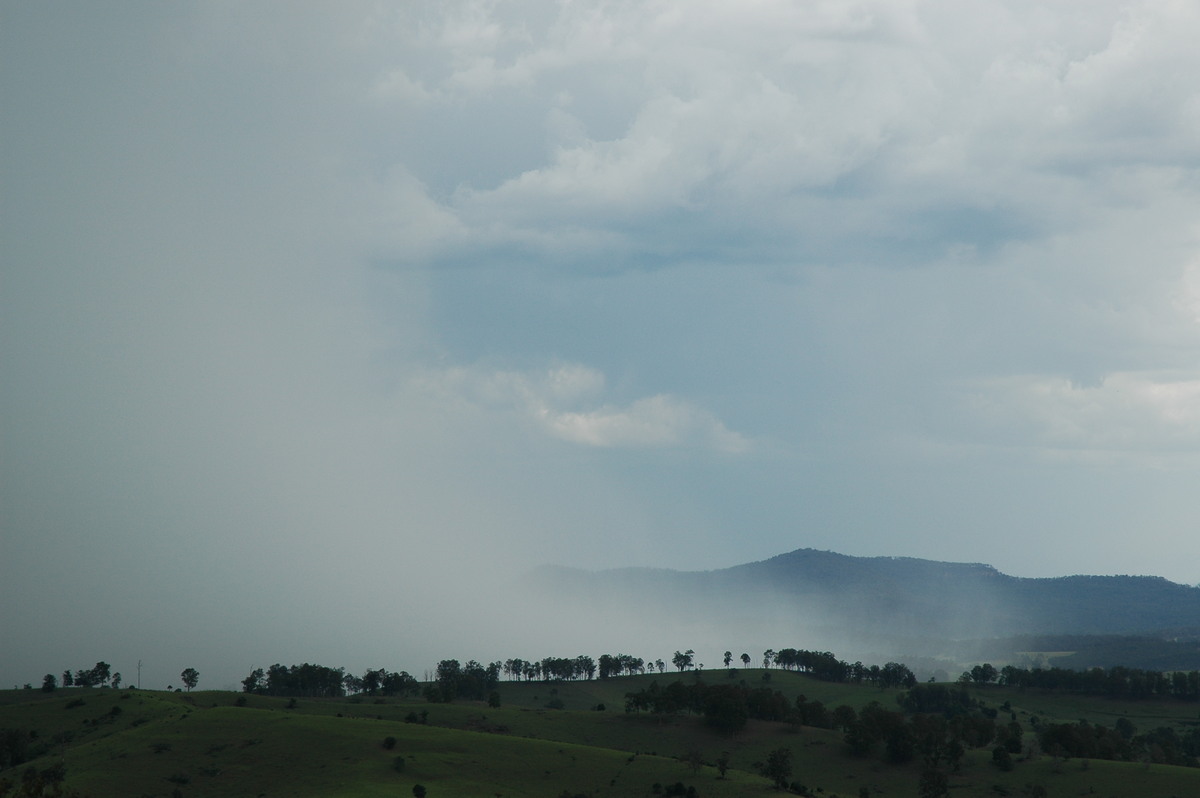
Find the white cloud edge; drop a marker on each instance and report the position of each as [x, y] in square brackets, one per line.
[1129, 411]
[566, 402]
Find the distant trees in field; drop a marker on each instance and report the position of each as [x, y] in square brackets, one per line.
[473, 681]
[379, 681]
[777, 768]
[312, 681]
[99, 675]
[1115, 682]
[620, 665]
[296, 680]
[825, 666]
[558, 668]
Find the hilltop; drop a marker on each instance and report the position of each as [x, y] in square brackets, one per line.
[889, 593]
[901, 605]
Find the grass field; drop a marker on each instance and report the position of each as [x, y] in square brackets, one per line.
[145, 743]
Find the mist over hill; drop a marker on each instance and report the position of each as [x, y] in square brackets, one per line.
[875, 605]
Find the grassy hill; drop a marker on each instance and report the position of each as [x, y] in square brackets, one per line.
[145, 743]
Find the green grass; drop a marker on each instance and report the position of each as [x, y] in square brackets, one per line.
[202, 745]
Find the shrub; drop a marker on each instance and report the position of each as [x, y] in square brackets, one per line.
[389, 743]
[398, 764]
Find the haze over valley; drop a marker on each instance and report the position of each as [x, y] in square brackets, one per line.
[324, 327]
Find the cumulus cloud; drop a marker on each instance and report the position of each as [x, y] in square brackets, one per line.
[1125, 413]
[567, 403]
[884, 121]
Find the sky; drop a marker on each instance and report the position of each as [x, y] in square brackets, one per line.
[321, 324]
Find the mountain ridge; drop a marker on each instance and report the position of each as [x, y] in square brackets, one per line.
[901, 594]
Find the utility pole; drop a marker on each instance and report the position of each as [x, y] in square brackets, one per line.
[139, 674]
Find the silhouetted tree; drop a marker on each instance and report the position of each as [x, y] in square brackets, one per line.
[190, 677]
[254, 682]
[100, 673]
[745, 660]
[49, 682]
[984, 674]
[778, 767]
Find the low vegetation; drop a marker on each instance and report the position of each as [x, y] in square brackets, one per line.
[808, 725]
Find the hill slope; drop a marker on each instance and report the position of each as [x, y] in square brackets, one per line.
[895, 596]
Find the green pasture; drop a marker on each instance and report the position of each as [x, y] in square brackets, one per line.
[203, 744]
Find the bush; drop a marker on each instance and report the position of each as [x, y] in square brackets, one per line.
[389, 743]
[398, 764]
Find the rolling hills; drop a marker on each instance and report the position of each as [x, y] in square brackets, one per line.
[214, 744]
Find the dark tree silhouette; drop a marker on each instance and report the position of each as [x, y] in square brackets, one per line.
[778, 767]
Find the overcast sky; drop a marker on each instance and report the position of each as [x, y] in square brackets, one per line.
[317, 321]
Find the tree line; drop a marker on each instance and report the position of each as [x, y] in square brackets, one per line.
[101, 675]
[825, 666]
[1114, 682]
[319, 681]
[1162, 745]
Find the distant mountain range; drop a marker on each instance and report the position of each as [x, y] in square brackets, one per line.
[888, 597]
